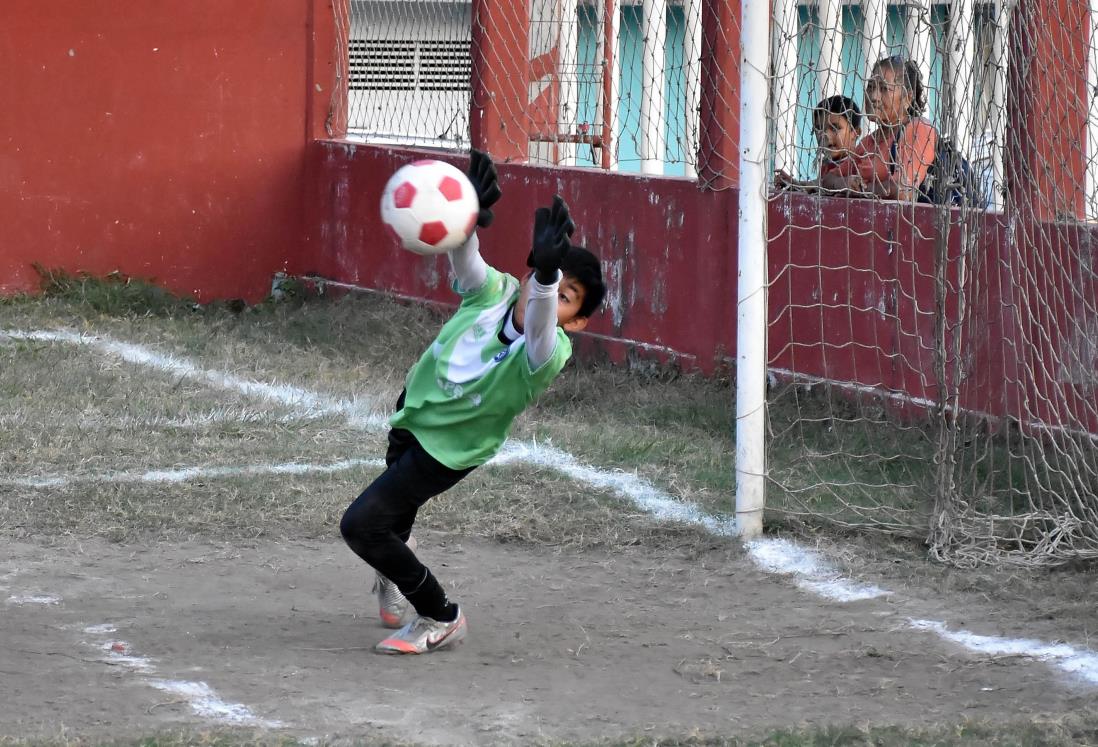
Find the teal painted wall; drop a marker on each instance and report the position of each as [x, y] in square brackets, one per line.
[628, 120]
[853, 70]
[627, 130]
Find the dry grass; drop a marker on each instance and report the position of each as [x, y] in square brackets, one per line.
[70, 411]
[1068, 731]
[95, 414]
[675, 431]
[523, 504]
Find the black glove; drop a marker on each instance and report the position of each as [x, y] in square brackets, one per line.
[482, 174]
[552, 228]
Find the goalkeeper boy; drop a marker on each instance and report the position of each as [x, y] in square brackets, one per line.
[501, 349]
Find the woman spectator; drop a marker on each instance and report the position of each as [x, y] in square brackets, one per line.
[892, 161]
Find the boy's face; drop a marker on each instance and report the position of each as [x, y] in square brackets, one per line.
[570, 295]
[836, 135]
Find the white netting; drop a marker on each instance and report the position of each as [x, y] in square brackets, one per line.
[933, 352]
[409, 70]
[410, 65]
[933, 324]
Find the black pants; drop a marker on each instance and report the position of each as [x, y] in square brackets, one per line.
[379, 522]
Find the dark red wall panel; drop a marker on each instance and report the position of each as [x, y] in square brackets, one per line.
[667, 246]
[854, 294]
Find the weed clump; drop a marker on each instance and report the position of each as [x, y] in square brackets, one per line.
[115, 294]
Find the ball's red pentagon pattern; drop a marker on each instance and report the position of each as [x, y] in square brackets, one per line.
[430, 206]
[433, 232]
[450, 188]
[404, 195]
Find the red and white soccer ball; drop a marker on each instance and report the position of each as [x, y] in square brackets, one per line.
[430, 206]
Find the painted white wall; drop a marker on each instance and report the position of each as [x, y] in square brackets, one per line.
[653, 141]
[829, 79]
[785, 39]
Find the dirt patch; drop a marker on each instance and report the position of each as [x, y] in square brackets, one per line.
[1057, 603]
[564, 644]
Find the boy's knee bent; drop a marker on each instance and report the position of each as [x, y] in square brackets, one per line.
[357, 523]
[363, 528]
[348, 526]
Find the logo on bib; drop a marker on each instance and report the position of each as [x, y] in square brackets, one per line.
[501, 355]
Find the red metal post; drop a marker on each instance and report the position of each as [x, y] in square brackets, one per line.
[609, 41]
[328, 30]
[1045, 155]
[498, 118]
[718, 148]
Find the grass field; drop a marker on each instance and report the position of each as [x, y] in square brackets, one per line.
[97, 446]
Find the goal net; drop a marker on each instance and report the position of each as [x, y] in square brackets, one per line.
[934, 328]
[932, 317]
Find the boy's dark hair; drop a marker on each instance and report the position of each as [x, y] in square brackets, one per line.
[908, 72]
[585, 268]
[843, 105]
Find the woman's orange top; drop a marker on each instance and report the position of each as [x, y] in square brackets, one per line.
[873, 157]
[914, 152]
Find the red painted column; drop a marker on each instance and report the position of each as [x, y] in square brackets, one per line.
[718, 150]
[1045, 156]
[329, 27]
[164, 141]
[1045, 159]
[498, 118]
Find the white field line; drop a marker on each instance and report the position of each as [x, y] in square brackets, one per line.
[103, 629]
[22, 599]
[1073, 660]
[289, 396]
[206, 703]
[202, 699]
[119, 654]
[642, 493]
[186, 474]
[809, 570]
[234, 416]
[812, 573]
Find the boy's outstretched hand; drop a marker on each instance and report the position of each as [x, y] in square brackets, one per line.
[482, 174]
[552, 229]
